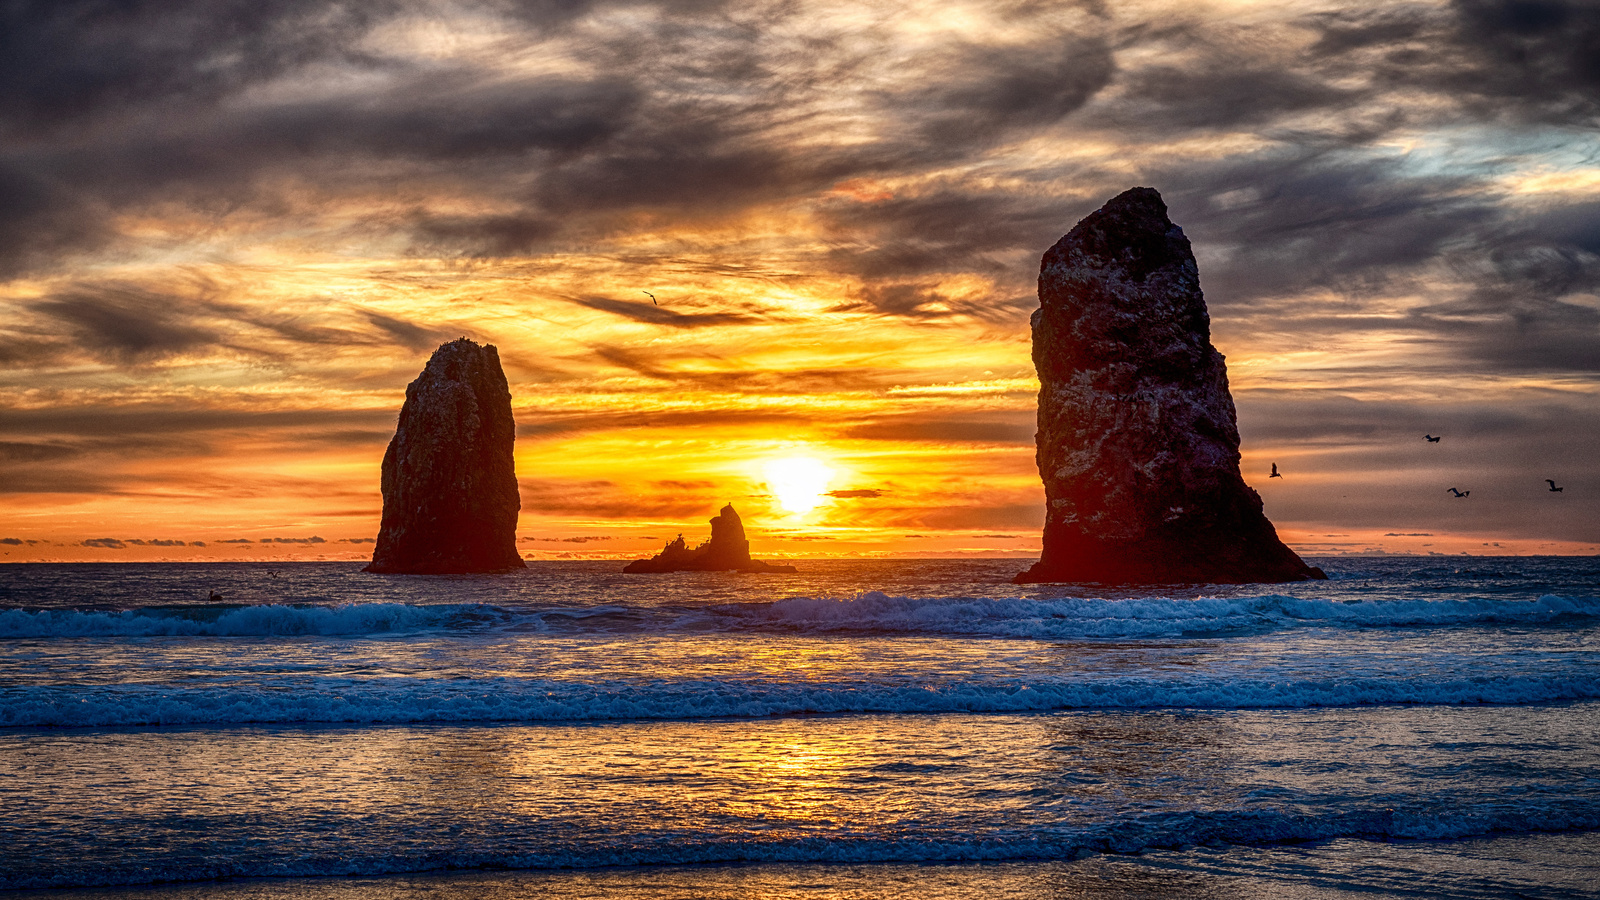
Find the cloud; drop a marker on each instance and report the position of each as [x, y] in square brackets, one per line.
[986, 428]
[288, 540]
[125, 325]
[651, 313]
[105, 543]
[973, 92]
[605, 499]
[236, 541]
[14, 542]
[855, 493]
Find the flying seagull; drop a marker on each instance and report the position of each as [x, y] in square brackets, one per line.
[1552, 484]
[1458, 493]
[651, 296]
[1275, 472]
[1430, 439]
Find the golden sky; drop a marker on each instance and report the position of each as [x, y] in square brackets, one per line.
[231, 233]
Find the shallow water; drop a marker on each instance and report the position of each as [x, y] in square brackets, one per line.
[831, 733]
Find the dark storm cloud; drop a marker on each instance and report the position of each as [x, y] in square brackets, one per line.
[1519, 59]
[1297, 219]
[946, 231]
[975, 92]
[69, 60]
[485, 237]
[1224, 84]
[440, 117]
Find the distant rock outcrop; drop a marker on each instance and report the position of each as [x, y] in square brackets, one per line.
[726, 551]
[449, 484]
[1138, 444]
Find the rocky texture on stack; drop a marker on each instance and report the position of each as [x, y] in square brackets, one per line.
[449, 483]
[1138, 444]
[727, 550]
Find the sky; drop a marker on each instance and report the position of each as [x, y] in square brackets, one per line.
[780, 254]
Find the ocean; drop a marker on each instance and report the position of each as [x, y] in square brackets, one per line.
[862, 729]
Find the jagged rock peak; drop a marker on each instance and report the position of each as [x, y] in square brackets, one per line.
[450, 498]
[726, 551]
[1138, 445]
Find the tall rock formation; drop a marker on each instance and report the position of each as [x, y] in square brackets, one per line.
[726, 551]
[449, 484]
[1138, 444]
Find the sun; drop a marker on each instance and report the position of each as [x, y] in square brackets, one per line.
[798, 482]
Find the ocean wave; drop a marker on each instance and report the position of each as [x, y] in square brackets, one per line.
[234, 620]
[871, 612]
[1144, 617]
[525, 848]
[539, 700]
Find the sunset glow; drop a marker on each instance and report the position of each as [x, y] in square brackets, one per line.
[798, 482]
[702, 240]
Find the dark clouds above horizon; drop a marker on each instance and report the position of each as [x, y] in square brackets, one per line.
[1417, 176]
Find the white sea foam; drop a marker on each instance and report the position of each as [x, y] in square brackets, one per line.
[236, 621]
[1147, 617]
[539, 700]
[1158, 830]
[870, 612]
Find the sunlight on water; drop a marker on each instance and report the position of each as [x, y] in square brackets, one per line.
[330, 723]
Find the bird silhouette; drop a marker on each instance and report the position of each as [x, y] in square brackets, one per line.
[1430, 439]
[1458, 493]
[1275, 472]
[1552, 484]
[651, 296]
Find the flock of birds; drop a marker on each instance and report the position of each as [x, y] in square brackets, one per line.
[1458, 493]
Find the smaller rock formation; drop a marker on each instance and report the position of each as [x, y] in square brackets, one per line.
[726, 551]
[450, 498]
[1138, 444]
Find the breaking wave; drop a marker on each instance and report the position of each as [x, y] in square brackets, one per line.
[1149, 617]
[218, 620]
[866, 613]
[406, 701]
[1448, 820]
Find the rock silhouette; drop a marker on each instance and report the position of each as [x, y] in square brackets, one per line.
[726, 551]
[1138, 444]
[449, 483]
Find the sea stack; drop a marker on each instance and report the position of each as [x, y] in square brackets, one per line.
[727, 551]
[449, 483]
[1138, 442]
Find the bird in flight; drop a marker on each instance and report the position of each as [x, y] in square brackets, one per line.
[1552, 484]
[1275, 472]
[1430, 439]
[1458, 493]
[651, 296]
